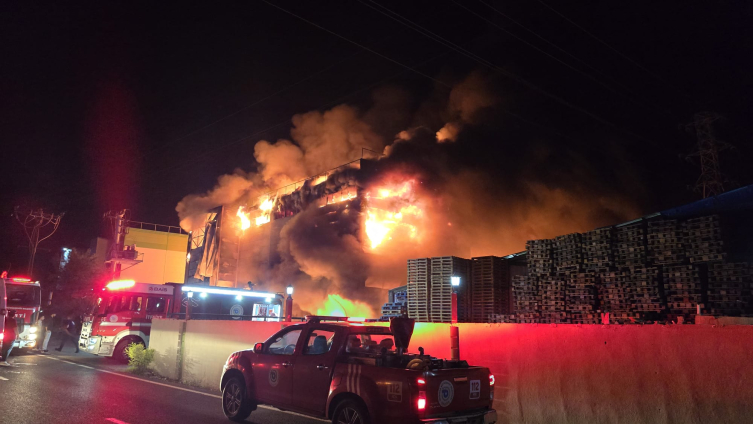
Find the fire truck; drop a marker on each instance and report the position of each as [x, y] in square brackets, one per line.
[350, 372]
[123, 313]
[3, 311]
[25, 297]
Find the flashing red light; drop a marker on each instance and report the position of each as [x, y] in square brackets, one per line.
[491, 379]
[21, 280]
[421, 381]
[121, 284]
[421, 401]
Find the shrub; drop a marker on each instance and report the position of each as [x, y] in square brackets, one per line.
[139, 358]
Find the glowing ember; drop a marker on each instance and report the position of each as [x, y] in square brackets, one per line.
[245, 221]
[337, 306]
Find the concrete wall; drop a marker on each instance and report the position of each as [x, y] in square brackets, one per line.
[553, 373]
[206, 347]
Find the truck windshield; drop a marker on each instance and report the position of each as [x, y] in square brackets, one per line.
[21, 295]
[370, 343]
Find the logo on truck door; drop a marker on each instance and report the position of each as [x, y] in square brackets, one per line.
[446, 393]
[274, 377]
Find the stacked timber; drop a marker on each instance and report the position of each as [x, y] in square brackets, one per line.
[552, 305]
[630, 249]
[526, 294]
[597, 249]
[443, 268]
[568, 252]
[581, 298]
[682, 286]
[666, 242]
[419, 289]
[490, 288]
[729, 289]
[646, 293]
[540, 259]
[704, 239]
[615, 295]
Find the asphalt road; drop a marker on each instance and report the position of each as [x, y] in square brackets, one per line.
[81, 388]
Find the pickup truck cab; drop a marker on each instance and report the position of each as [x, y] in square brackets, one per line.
[355, 373]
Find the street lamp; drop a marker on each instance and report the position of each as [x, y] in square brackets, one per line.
[455, 282]
[289, 304]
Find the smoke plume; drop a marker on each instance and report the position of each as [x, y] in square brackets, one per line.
[441, 188]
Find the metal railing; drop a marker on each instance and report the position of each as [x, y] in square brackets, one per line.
[156, 227]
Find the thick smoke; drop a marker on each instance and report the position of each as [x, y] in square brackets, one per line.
[465, 198]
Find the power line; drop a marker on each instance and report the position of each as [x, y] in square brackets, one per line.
[561, 50]
[624, 56]
[483, 62]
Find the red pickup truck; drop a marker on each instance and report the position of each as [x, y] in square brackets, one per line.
[355, 373]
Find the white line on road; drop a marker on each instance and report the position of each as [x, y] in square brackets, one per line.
[175, 387]
[116, 421]
[3, 378]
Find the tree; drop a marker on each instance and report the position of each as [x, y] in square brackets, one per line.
[77, 283]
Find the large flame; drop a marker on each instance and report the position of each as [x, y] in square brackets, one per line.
[337, 306]
[245, 220]
[391, 210]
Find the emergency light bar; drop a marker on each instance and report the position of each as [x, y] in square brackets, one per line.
[20, 280]
[121, 284]
[216, 290]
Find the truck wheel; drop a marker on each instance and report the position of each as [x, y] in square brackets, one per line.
[350, 412]
[119, 354]
[235, 404]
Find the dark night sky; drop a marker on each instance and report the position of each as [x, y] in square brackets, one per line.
[108, 106]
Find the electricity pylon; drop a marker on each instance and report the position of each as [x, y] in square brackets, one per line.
[711, 181]
[38, 227]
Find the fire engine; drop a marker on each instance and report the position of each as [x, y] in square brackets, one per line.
[124, 312]
[25, 297]
[350, 372]
[3, 310]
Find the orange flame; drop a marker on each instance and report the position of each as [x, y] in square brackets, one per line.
[392, 209]
[245, 220]
[337, 306]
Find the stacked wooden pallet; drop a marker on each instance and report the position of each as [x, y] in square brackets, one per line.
[526, 294]
[666, 240]
[581, 298]
[704, 239]
[615, 292]
[540, 259]
[682, 287]
[490, 288]
[552, 290]
[568, 252]
[419, 289]
[597, 249]
[646, 295]
[729, 289]
[443, 268]
[630, 249]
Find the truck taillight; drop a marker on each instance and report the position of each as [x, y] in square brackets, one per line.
[421, 403]
[491, 379]
[421, 381]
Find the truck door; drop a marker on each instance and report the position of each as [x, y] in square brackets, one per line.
[313, 370]
[3, 308]
[273, 370]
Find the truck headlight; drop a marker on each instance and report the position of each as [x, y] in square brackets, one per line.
[33, 330]
[32, 337]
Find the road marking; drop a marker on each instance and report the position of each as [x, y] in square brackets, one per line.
[3, 378]
[116, 421]
[176, 387]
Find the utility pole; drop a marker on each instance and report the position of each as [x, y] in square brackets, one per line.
[711, 181]
[38, 227]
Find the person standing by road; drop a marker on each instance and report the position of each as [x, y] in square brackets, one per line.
[9, 336]
[69, 332]
[44, 331]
